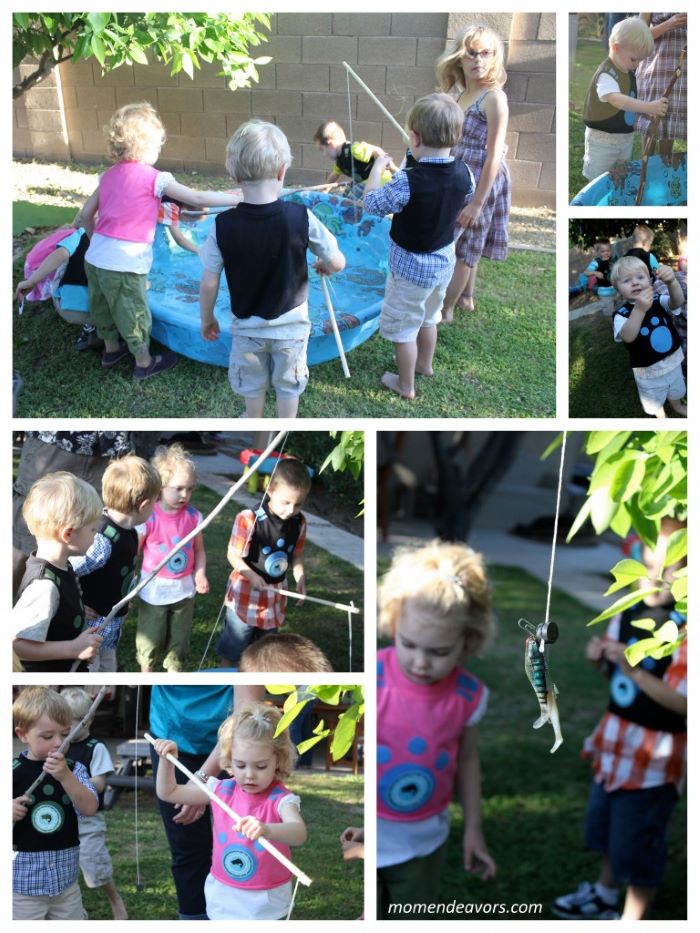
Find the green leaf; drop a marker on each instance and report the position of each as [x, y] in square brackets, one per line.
[136, 54]
[279, 689]
[677, 547]
[647, 624]
[580, 520]
[597, 440]
[602, 510]
[626, 572]
[344, 733]
[98, 49]
[667, 632]
[624, 603]
[627, 479]
[329, 693]
[98, 21]
[557, 442]
[641, 649]
[21, 20]
[621, 522]
[679, 588]
[289, 716]
[309, 743]
[187, 66]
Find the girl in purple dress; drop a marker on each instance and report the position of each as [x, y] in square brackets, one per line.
[654, 74]
[472, 71]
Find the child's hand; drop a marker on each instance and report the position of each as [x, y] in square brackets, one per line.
[56, 766]
[644, 300]
[257, 581]
[666, 274]
[477, 860]
[469, 215]
[594, 650]
[658, 108]
[22, 290]
[210, 329]
[90, 614]
[200, 581]
[301, 588]
[352, 841]
[614, 652]
[86, 646]
[252, 828]
[19, 808]
[323, 267]
[166, 747]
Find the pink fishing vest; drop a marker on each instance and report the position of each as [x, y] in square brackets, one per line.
[163, 531]
[235, 859]
[128, 208]
[419, 727]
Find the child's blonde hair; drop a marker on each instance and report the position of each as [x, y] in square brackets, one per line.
[626, 264]
[448, 67]
[60, 500]
[446, 583]
[642, 233]
[634, 35]
[135, 133]
[257, 722]
[257, 151]
[328, 131]
[35, 702]
[129, 482]
[79, 701]
[168, 460]
[284, 652]
[437, 119]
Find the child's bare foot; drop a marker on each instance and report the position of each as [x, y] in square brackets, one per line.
[391, 381]
[448, 315]
[466, 303]
[677, 405]
[424, 372]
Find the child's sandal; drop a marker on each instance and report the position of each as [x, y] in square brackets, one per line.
[116, 356]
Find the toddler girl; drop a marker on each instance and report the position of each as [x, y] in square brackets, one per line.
[473, 72]
[166, 604]
[120, 252]
[246, 882]
[435, 603]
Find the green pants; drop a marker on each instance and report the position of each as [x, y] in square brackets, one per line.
[119, 306]
[164, 630]
[416, 881]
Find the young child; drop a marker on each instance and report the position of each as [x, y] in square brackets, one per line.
[45, 835]
[435, 603]
[612, 103]
[353, 160]
[120, 252]
[261, 247]
[62, 513]
[264, 545]
[284, 651]
[644, 324]
[246, 882]
[638, 752]
[472, 71]
[166, 604]
[95, 861]
[598, 270]
[425, 199]
[669, 31]
[642, 240]
[169, 219]
[130, 489]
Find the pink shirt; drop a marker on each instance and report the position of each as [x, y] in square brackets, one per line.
[236, 860]
[419, 727]
[163, 531]
[128, 204]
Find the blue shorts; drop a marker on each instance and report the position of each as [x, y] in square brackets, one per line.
[629, 826]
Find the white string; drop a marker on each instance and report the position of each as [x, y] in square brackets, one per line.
[556, 526]
[350, 638]
[294, 897]
[352, 159]
[136, 791]
[211, 635]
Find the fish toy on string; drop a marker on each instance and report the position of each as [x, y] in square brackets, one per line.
[537, 672]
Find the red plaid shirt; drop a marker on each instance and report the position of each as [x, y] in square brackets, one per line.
[262, 608]
[629, 756]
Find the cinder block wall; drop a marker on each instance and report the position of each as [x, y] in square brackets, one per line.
[304, 84]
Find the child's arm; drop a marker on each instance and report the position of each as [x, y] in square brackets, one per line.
[654, 687]
[324, 245]
[55, 259]
[238, 542]
[88, 210]
[381, 164]
[352, 842]
[675, 292]
[643, 301]
[85, 647]
[84, 798]
[297, 559]
[652, 108]
[202, 198]
[208, 290]
[496, 111]
[183, 241]
[167, 787]
[19, 808]
[31, 618]
[200, 565]
[477, 859]
[299, 576]
[290, 832]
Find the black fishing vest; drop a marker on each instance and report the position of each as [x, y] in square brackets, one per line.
[645, 256]
[603, 265]
[106, 586]
[602, 116]
[74, 273]
[626, 699]
[438, 190]
[263, 247]
[69, 620]
[272, 544]
[657, 337]
[83, 751]
[51, 822]
[346, 162]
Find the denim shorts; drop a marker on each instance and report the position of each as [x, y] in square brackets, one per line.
[630, 826]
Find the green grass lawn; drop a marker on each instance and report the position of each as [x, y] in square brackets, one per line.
[601, 384]
[328, 577]
[534, 802]
[330, 802]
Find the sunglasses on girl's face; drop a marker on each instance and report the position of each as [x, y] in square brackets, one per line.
[478, 53]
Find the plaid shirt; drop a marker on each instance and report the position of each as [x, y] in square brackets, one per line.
[629, 756]
[423, 269]
[262, 608]
[48, 873]
[97, 556]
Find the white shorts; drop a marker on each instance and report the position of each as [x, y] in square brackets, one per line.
[603, 150]
[654, 392]
[95, 861]
[67, 905]
[408, 307]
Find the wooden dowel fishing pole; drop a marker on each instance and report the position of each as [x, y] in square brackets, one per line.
[315, 599]
[334, 326]
[379, 104]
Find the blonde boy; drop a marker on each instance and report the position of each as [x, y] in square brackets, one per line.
[130, 489]
[261, 247]
[61, 511]
[45, 835]
[642, 241]
[611, 102]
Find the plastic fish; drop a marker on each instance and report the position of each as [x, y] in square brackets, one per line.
[536, 670]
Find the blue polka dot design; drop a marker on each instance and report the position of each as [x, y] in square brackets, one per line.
[660, 337]
[276, 564]
[407, 787]
[239, 863]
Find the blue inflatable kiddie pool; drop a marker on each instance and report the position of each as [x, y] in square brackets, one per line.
[356, 293]
[666, 184]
